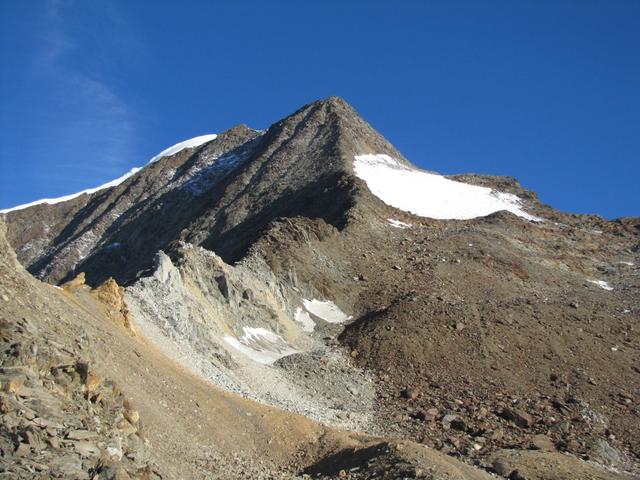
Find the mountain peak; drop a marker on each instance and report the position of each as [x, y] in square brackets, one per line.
[334, 102]
[336, 107]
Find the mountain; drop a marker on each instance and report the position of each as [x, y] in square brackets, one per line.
[219, 195]
[312, 268]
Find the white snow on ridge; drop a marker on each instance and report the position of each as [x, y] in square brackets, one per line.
[191, 143]
[51, 201]
[431, 195]
[325, 310]
[601, 284]
[261, 345]
[301, 316]
[398, 224]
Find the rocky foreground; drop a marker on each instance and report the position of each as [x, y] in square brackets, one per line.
[84, 396]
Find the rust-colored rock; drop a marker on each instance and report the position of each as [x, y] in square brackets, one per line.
[112, 296]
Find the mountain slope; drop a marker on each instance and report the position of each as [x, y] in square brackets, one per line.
[84, 397]
[311, 267]
[54, 239]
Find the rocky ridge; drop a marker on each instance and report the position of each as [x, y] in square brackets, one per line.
[60, 418]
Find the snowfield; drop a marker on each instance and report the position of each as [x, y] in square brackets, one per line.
[261, 345]
[191, 143]
[302, 317]
[431, 195]
[325, 310]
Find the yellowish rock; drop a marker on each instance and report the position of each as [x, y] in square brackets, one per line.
[133, 416]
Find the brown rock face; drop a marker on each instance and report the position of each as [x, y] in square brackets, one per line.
[112, 296]
[519, 417]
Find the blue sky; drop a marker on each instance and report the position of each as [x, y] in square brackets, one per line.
[545, 91]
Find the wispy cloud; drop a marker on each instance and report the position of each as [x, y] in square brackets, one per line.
[86, 127]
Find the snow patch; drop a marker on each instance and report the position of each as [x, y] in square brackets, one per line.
[629, 264]
[301, 316]
[325, 310]
[601, 284]
[215, 167]
[398, 224]
[431, 195]
[261, 345]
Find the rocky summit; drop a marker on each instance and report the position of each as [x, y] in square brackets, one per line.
[304, 302]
